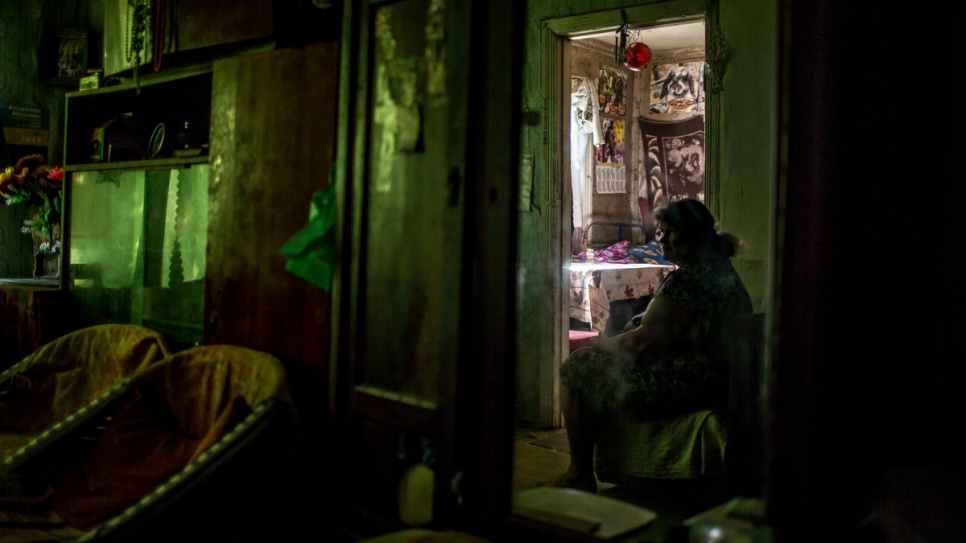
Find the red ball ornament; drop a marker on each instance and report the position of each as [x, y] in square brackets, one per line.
[637, 56]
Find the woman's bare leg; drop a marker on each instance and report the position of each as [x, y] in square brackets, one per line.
[582, 431]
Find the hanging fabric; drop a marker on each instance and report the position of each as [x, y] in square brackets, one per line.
[674, 158]
[585, 107]
[585, 135]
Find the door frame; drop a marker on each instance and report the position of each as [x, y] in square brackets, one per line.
[471, 420]
[554, 34]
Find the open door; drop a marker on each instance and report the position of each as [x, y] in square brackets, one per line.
[426, 173]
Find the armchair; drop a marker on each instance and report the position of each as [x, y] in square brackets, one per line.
[197, 438]
[68, 381]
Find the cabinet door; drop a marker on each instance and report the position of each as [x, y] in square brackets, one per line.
[272, 146]
[425, 303]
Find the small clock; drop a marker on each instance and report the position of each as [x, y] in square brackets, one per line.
[157, 140]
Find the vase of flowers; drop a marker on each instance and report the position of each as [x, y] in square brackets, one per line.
[37, 186]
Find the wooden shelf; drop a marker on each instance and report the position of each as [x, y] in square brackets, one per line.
[145, 81]
[153, 164]
[131, 112]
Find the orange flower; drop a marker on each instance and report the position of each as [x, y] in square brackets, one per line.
[30, 163]
[8, 178]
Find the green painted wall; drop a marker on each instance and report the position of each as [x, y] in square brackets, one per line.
[749, 137]
[747, 172]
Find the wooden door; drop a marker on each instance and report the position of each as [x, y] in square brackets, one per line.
[425, 295]
[273, 129]
[272, 145]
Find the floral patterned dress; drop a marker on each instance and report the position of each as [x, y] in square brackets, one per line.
[712, 294]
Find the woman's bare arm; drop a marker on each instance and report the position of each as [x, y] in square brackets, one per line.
[664, 326]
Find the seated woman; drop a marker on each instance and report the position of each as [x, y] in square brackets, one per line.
[671, 358]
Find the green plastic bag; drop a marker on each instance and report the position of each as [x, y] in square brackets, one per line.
[311, 251]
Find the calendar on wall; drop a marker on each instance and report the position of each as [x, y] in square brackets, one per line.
[609, 174]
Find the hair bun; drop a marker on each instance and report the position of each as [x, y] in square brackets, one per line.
[726, 244]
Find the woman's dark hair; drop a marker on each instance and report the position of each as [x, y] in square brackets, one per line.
[695, 226]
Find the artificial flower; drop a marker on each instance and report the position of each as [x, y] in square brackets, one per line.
[9, 180]
[32, 183]
[56, 174]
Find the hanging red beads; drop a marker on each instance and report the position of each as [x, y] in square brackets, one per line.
[637, 56]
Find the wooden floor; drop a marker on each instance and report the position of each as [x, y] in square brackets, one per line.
[535, 464]
[540, 457]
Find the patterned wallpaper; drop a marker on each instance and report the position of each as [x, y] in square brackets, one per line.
[26, 27]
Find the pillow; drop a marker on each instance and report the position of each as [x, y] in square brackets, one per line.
[651, 253]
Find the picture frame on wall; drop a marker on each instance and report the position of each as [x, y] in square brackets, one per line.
[67, 63]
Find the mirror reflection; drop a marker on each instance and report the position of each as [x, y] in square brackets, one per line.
[589, 417]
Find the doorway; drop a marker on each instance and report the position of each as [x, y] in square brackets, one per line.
[611, 198]
[635, 142]
[606, 192]
[745, 200]
[611, 176]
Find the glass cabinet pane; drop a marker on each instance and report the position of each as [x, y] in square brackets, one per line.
[137, 249]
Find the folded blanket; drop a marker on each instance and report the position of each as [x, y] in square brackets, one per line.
[651, 253]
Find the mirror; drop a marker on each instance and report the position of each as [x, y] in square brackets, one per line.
[569, 51]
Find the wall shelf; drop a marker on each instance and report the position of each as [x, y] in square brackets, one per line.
[126, 116]
[155, 164]
[146, 80]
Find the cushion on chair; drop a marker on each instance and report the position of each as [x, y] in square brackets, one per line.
[181, 412]
[31, 446]
[72, 371]
[10, 443]
[243, 482]
[683, 446]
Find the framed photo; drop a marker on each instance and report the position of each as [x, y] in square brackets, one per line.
[70, 62]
